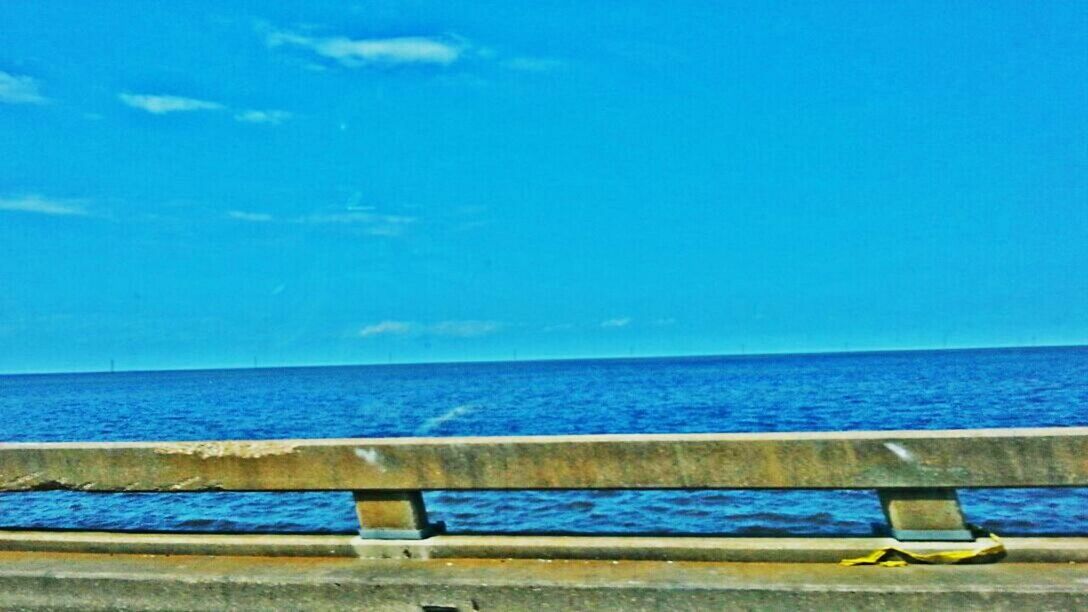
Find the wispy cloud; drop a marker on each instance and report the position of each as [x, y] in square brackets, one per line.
[19, 89]
[41, 205]
[253, 217]
[161, 105]
[357, 219]
[617, 322]
[387, 328]
[354, 216]
[452, 329]
[270, 117]
[371, 223]
[406, 50]
[164, 104]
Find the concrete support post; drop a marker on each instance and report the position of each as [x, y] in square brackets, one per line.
[924, 514]
[393, 515]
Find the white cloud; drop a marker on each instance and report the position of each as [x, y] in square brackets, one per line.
[617, 322]
[386, 328]
[452, 329]
[376, 51]
[160, 105]
[271, 117]
[355, 216]
[43, 206]
[359, 218]
[371, 223]
[16, 89]
[254, 217]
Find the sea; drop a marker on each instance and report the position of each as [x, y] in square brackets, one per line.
[1029, 387]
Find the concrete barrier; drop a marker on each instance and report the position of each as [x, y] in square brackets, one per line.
[401, 561]
[915, 472]
[1052, 457]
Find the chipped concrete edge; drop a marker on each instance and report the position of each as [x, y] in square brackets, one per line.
[241, 450]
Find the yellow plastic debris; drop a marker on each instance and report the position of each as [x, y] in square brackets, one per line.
[893, 556]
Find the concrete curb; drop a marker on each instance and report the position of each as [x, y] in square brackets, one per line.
[647, 548]
[147, 582]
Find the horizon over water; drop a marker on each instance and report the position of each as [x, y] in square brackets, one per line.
[917, 389]
[552, 358]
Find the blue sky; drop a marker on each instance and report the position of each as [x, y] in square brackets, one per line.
[196, 185]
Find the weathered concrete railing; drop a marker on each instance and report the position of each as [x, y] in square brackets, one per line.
[915, 473]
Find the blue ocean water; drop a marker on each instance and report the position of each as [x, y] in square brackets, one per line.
[904, 390]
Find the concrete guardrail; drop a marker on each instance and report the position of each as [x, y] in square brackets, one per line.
[916, 473]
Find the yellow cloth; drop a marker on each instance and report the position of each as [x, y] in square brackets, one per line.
[897, 557]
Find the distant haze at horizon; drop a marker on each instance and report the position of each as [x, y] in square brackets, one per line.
[206, 186]
[113, 366]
